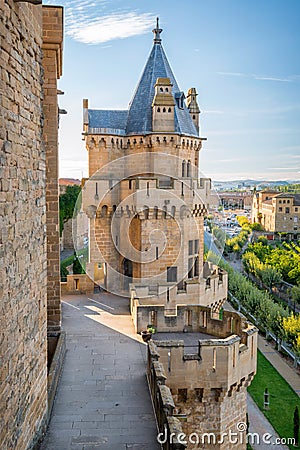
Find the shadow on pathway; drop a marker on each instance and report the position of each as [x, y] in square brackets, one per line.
[103, 399]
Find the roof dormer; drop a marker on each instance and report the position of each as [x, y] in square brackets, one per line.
[163, 106]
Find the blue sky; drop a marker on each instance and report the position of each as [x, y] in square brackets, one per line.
[242, 56]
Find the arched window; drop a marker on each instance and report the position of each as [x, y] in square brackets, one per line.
[173, 211]
[188, 169]
[196, 267]
[161, 89]
[155, 212]
[183, 169]
[158, 109]
[164, 110]
[164, 213]
[169, 110]
[104, 211]
[146, 212]
[167, 89]
[182, 211]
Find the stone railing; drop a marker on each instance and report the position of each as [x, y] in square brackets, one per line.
[77, 284]
[189, 318]
[169, 426]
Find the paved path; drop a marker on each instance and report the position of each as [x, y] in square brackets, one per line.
[259, 424]
[102, 399]
[66, 253]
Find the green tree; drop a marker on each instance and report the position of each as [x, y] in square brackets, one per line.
[243, 220]
[269, 276]
[67, 203]
[220, 237]
[252, 263]
[294, 292]
[262, 239]
[291, 326]
[63, 273]
[260, 250]
[256, 226]
[77, 267]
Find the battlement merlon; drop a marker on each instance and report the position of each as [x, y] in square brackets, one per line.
[108, 138]
[188, 196]
[225, 364]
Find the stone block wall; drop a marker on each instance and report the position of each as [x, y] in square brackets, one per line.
[52, 64]
[23, 258]
[77, 284]
[208, 387]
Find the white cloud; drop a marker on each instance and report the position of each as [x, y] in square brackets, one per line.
[232, 74]
[230, 160]
[254, 76]
[107, 28]
[272, 78]
[281, 168]
[212, 111]
[69, 168]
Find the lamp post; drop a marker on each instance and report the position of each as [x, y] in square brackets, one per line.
[266, 399]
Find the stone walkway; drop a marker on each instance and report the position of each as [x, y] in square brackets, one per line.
[287, 372]
[259, 424]
[103, 399]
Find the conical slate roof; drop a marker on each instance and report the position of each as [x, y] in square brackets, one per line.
[138, 119]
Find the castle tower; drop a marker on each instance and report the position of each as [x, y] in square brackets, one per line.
[146, 205]
[193, 107]
[145, 200]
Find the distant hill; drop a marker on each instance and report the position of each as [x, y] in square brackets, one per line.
[240, 184]
[68, 181]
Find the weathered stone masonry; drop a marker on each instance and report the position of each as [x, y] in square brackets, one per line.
[23, 247]
[23, 266]
[52, 63]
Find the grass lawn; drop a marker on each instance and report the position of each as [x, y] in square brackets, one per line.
[283, 399]
[69, 260]
[83, 257]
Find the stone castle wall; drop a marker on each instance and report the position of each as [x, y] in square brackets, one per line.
[52, 64]
[208, 382]
[77, 284]
[28, 141]
[23, 259]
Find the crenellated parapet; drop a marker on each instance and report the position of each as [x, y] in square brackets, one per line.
[207, 376]
[164, 196]
[179, 307]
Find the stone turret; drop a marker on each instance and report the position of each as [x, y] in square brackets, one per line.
[193, 107]
[163, 106]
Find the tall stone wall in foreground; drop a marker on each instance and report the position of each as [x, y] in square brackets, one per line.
[23, 263]
[52, 64]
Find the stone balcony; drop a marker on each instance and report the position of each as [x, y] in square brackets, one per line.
[165, 301]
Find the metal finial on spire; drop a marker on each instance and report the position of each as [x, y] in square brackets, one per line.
[157, 31]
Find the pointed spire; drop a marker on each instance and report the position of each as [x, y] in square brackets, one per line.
[157, 31]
